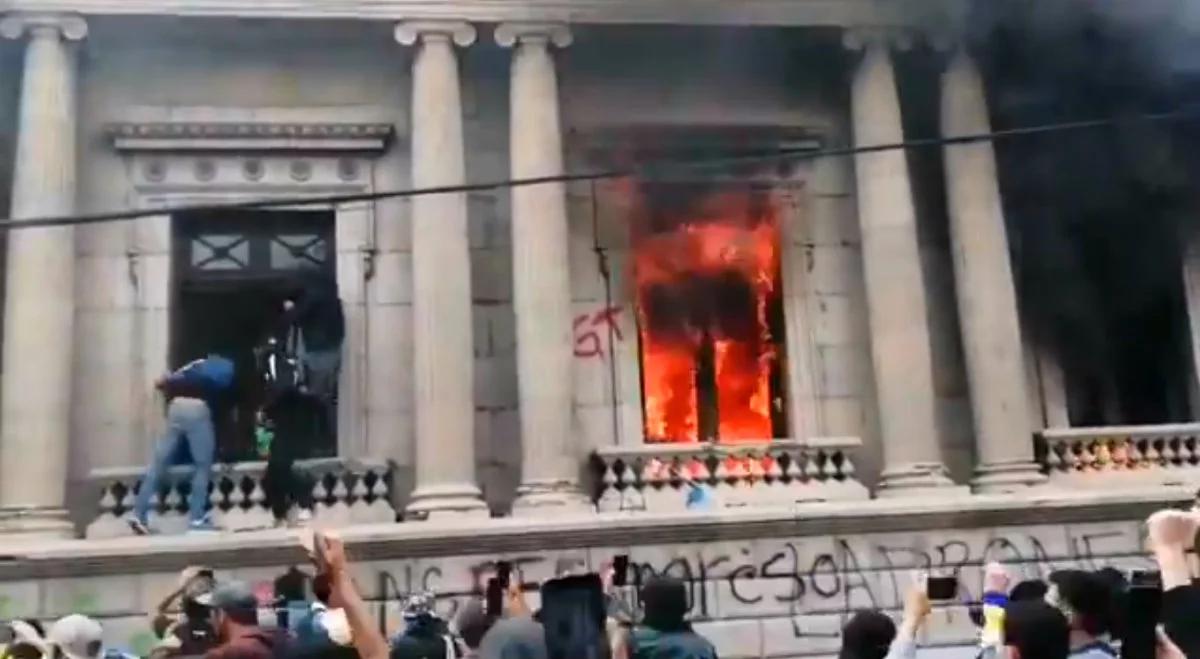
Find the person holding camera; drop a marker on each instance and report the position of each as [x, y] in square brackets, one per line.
[192, 633]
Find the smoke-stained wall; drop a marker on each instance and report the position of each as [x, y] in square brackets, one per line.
[702, 83]
[611, 80]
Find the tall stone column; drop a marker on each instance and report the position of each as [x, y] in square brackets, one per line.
[987, 301]
[1191, 288]
[896, 307]
[541, 272]
[39, 308]
[444, 352]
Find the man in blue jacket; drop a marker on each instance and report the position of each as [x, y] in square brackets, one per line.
[194, 392]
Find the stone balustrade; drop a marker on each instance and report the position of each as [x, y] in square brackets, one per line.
[1113, 456]
[660, 477]
[344, 492]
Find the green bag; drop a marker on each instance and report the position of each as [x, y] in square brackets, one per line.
[263, 436]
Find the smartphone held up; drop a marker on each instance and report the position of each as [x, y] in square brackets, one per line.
[941, 589]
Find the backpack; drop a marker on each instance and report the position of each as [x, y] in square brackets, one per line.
[282, 370]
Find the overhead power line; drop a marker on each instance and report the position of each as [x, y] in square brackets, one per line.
[645, 172]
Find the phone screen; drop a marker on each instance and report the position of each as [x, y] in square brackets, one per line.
[1147, 578]
[504, 573]
[495, 598]
[941, 588]
[1144, 602]
[620, 570]
[573, 614]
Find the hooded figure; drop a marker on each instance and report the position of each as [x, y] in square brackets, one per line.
[664, 631]
[312, 332]
[317, 312]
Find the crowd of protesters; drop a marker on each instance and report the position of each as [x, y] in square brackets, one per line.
[1074, 614]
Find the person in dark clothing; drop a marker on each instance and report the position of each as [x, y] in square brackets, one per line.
[1170, 534]
[664, 631]
[1028, 591]
[314, 328]
[1086, 600]
[1035, 630]
[425, 635]
[867, 635]
[236, 621]
[290, 411]
[282, 485]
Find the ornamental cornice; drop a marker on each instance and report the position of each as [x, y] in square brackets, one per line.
[829, 13]
[249, 136]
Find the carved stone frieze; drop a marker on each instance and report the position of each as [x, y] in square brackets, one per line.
[230, 136]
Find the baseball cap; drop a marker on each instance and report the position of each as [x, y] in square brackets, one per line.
[230, 596]
[76, 637]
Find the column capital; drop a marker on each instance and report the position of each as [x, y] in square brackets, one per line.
[509, 34]
[860, 39]
[460, 32]
[69, 26]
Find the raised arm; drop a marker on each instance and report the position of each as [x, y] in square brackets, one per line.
[369, 643]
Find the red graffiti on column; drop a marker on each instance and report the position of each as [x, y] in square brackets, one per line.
[589, 341]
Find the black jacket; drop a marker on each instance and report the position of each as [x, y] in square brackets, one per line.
[1181, 618]
[318, 314]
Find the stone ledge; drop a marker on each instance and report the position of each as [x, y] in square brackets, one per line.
[70, 558]
[693, 12]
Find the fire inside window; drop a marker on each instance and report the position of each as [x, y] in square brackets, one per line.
[706, 269]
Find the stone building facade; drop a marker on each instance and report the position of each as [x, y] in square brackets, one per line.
[493, 358]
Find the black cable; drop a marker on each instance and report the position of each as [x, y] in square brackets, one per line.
[606, 272]
[647, 172]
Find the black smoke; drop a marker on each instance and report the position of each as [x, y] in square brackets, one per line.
[1097, 218]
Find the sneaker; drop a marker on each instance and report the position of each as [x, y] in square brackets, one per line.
[137, 526]
[201, 526]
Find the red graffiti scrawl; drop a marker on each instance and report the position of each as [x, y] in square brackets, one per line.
[588, 327]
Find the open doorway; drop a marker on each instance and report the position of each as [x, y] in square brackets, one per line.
[232, 273]
[710, 312]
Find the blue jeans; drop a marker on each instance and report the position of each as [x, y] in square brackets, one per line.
[188, 419]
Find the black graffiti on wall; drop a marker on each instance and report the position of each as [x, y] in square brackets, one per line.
[839, 574]
[792, 579]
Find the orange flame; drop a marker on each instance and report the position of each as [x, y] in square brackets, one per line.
[725, 235]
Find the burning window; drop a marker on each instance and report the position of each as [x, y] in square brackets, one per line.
[706, 271]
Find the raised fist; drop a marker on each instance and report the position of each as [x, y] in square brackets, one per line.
[1172, 528]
